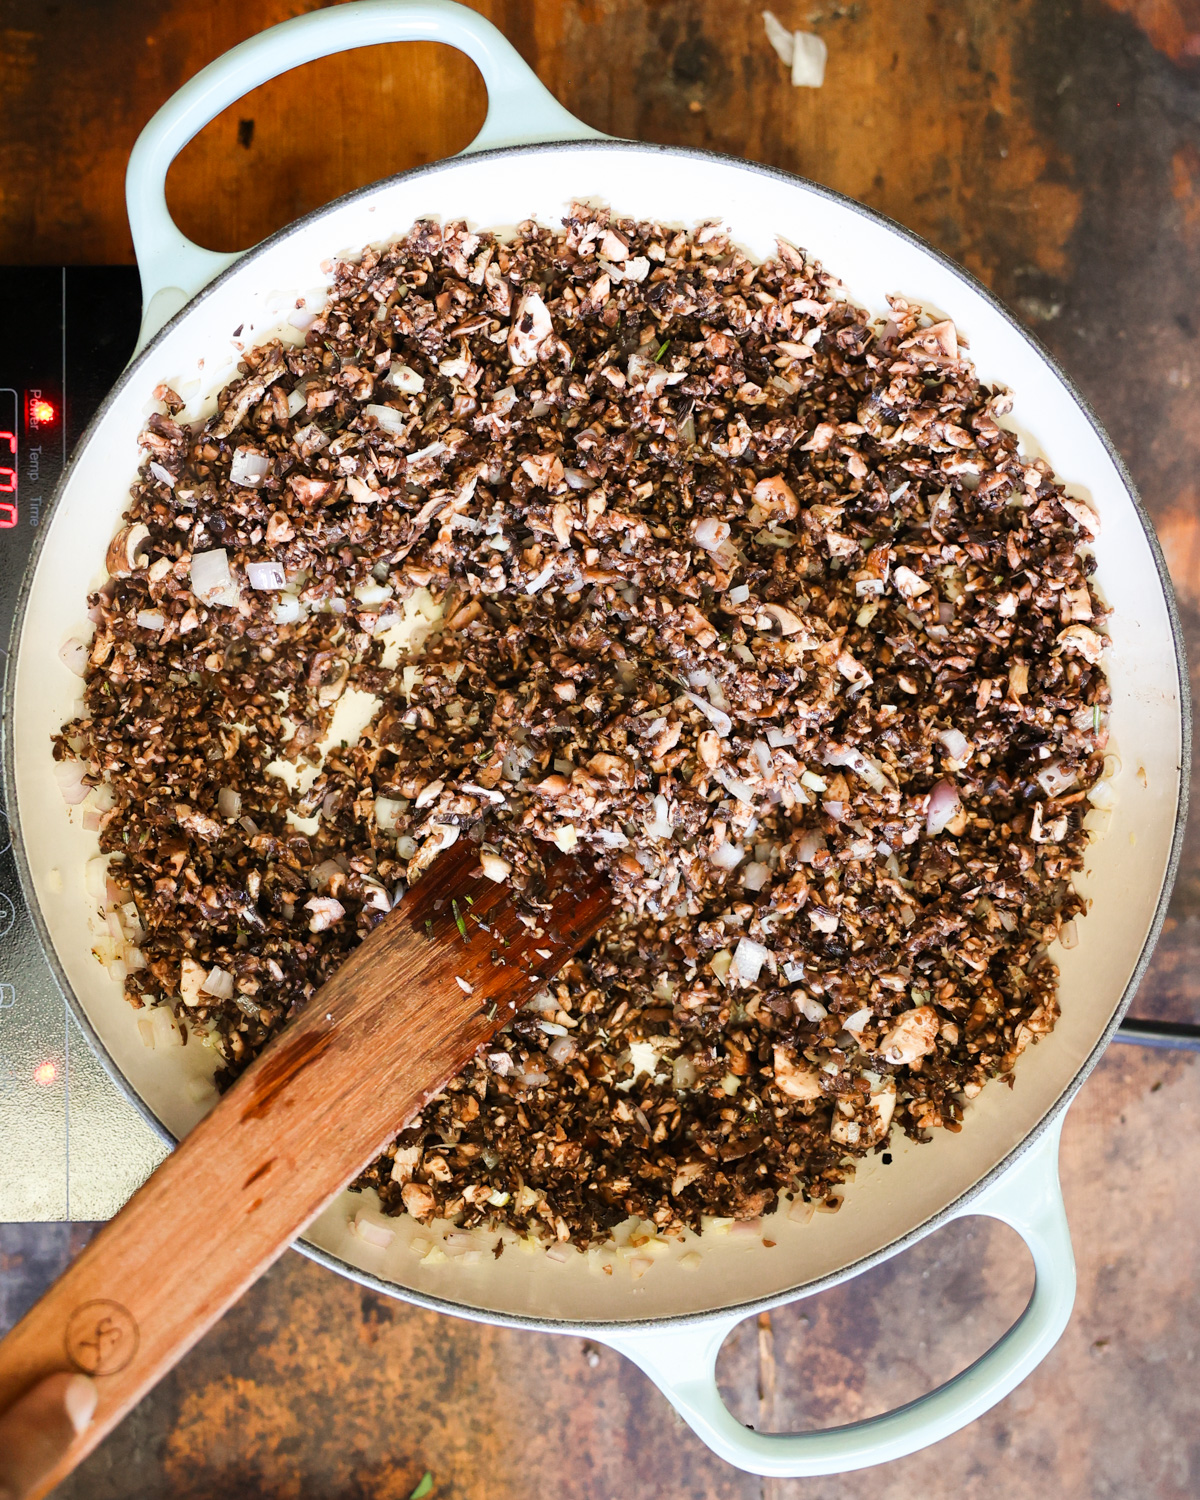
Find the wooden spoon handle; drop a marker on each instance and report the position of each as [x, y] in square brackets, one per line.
[389, 1029]
[238, 1190]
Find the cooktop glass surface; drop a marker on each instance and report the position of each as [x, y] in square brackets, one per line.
[71, 1146]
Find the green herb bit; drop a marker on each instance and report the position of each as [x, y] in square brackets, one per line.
[1095, 718]
[424, 1488]
[458, 921]
[491, 1011]
[662, 349]
[429, 928]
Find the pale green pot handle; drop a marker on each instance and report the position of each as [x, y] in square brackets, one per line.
[682, 1361]
[173, 269]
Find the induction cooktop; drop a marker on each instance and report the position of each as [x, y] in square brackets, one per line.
[71, 1145]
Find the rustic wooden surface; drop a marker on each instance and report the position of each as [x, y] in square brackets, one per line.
[1054, 147]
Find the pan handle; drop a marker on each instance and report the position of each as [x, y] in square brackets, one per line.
[682, 1362]
[173, 269]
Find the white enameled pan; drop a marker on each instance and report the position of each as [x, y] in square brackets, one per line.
[529, 161]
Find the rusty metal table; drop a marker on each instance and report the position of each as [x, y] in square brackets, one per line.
[1053, 146]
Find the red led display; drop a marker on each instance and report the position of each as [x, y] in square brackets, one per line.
[8, 480]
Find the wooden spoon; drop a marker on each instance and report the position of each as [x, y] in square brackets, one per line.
[433, 982]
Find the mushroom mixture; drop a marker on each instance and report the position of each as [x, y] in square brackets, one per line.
[752, 598]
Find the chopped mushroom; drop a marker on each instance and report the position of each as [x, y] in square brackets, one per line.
[418, 1199]
[776, 495]
[1084, 640]
[531, 327]
[913, 1036]
[910, 584]
[744, 597]
[325, 912]
[783, 621]
[125, 551]
[798, 1080]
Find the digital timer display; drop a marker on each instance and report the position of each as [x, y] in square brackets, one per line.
[39, 413]
[9, 425]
